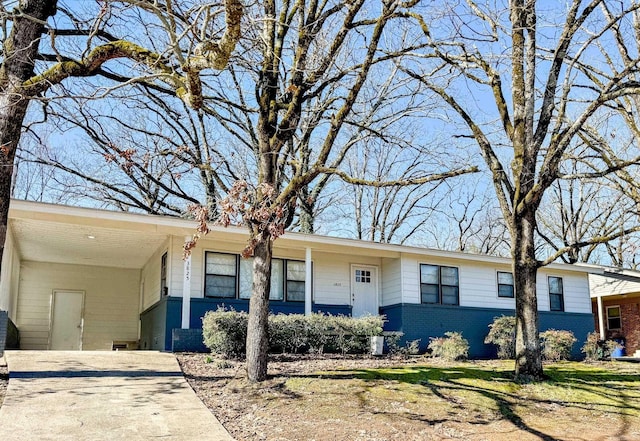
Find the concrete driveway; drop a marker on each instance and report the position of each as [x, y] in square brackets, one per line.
[60, 395]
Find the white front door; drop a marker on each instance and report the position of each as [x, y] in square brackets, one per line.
[364, 290]
[66, 320]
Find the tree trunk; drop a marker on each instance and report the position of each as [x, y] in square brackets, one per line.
[306, 217]
[525, 270]
[21, 49]
[257, 329]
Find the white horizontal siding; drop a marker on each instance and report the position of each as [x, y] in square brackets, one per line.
[410, 279]
[332, 276]
[391, 282]
[575, 291]
[479, 286]
[331, 272]
[111, 302]
[151, 277]
[606, 286]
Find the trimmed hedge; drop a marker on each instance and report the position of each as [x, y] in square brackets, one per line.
[225, 333]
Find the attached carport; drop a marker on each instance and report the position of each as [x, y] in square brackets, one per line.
[71, 276]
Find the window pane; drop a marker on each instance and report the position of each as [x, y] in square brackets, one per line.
[505, 290]
[449, 276]
[429, 293]
[429, 274]
[295, 291]
[556, 302]
[555, 285]
[246, 277]
[277, 278]
[222, 264]
[505, 278]
[613, 311]
[615, 323]
[449, 295]
[295, 270]
[220, 286]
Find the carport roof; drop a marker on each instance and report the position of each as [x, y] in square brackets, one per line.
[90, 236]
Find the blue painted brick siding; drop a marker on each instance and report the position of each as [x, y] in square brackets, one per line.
[9, 334]
[159, 322]
[418, 321]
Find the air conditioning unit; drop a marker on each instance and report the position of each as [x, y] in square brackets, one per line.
[377, 345]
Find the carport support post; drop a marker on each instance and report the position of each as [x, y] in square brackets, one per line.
[186, 291]
[307, 282]
[601, 318]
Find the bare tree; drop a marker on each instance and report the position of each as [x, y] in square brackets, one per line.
[195, 42]
[154, 154]
[468, 220]
[559, 82]
[309, 63]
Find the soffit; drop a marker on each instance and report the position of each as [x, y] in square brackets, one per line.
[57, 242]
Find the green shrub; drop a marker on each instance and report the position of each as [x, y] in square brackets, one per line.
[593, 349]
[502, 333]
[556, 345]
[451, 347]
[316, 333]
[410, 347]
[287, 333]
[352, 335]
[225, 332]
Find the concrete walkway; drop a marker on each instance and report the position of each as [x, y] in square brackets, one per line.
[59, 395]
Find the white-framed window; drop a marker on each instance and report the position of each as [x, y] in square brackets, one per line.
[246, 279]
[614, 318]
[221, 275]
[296, 271]
[556, 293]
[439, 284]
[229, 276]
[505, 285]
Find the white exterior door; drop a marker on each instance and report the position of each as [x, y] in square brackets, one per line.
[364, 290]
[66, 320]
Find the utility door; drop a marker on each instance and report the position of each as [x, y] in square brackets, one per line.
[364, 290]
[66, 320]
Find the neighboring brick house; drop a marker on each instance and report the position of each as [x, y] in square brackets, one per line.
[81, 278]
[615, 298]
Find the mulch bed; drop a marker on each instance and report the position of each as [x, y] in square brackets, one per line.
[240, 406]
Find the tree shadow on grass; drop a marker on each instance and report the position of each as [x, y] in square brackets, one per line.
[610, 391]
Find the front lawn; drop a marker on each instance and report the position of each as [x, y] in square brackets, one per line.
[380, 399]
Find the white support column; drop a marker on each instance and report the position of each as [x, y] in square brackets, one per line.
[307, 282]
[603, 334]
[186, 291]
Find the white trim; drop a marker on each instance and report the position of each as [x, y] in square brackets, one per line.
[603, 332]
[307, 281]
[186, 290]
[619, 317]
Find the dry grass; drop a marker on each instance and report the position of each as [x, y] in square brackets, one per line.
[380, 399]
